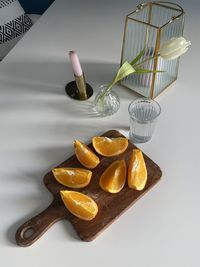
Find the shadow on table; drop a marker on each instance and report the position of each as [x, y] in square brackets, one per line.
[41, 79]
[50, 77]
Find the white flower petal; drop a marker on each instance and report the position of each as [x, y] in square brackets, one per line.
[170, 45]
[175, 54]
[174, 48]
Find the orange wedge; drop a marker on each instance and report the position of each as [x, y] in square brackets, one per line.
[79, 205]
[109, 147]
[85, 155]
[72, 177]
[137, 172]
[114, 177]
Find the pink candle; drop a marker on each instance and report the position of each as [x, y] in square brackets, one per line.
[75, 63]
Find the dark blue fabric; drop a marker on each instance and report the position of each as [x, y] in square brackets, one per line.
[35, 6]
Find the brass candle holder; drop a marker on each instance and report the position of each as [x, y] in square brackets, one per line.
[79, 89]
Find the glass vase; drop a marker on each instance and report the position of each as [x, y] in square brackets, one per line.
[106, 102]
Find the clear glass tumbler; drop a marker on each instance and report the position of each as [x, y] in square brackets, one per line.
[143, 114]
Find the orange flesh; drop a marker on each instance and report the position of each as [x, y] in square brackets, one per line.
[80, 205]
[137, 172]
[114, 177]
[85, 155]
[72, 177]
[109, 147]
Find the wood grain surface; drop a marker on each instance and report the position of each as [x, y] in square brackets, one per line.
[111, 206]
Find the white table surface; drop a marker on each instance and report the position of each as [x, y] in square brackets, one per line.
[39, 123]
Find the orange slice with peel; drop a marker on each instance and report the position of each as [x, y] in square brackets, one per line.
[113, 178]
[85, 155]
[137, 172]
[109, 147]
[80, 205]
[72, 177]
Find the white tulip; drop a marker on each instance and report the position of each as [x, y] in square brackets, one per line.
[174, 48]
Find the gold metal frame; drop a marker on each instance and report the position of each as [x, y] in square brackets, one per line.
[164, 4]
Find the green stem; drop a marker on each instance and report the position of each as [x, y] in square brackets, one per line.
[110, 85]
[106, 91]
[144, 61]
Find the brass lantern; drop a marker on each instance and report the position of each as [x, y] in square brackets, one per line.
[162, 20]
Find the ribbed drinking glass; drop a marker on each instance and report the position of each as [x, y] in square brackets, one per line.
[143, 114]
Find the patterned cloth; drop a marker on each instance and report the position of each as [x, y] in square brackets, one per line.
[14, 28]
[13, 24]
[13, 21]
[5, 3]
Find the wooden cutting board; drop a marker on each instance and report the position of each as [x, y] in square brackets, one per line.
[111, 206]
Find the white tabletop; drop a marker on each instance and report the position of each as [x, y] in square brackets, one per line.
[39, 123]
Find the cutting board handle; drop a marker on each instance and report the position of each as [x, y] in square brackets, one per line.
[34, 228]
